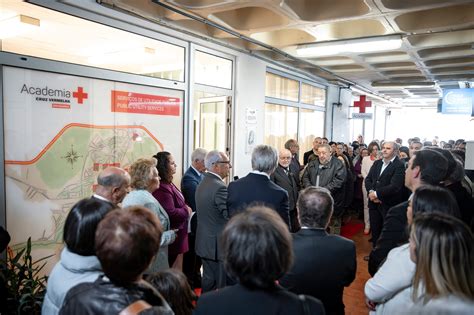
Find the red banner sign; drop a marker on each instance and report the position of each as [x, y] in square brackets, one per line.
[128, 102]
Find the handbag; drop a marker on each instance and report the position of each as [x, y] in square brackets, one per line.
[135, 308]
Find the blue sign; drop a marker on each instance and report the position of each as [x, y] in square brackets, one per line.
[458, 101]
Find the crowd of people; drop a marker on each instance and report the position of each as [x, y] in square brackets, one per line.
[269, 243]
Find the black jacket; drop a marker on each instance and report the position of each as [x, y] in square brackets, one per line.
[388, 185]
[257, 189]
[104, 297]
[394, 233]
[288, 182]
[331, 176]
[324, 265]
[238, 300]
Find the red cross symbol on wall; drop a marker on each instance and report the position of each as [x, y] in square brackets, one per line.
[362, 104]
[80, 95]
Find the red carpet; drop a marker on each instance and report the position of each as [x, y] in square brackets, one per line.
[351, 228]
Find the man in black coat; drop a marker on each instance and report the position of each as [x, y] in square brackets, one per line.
[329, 172]
[313, 153]
[286, 179]
[257, 188]
[324, 263]
[295, 166]
[384, 184]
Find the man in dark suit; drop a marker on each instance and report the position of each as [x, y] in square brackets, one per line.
[113, 184]
[257, 187]
[211, 209]
[193, 176]
[191, 179]
[295, 166]
[324, 263]
[313, 153]
[384, 184]
[286, 179]
[424, 167]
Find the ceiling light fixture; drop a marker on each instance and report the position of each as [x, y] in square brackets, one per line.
[18, 25]
[358, 45]
[404, 84]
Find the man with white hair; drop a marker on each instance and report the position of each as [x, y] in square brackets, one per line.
[212, 214]
[191, 179]
[257, 188]
[289, 181]
[329, 172]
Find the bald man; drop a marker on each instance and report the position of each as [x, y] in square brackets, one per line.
[384, 184]
[313, 153]
[113, 184]
[286, 179]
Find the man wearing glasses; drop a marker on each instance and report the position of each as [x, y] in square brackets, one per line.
[286, 179]
[328, 172]
[212, 215]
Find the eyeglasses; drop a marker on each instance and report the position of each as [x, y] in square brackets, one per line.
[223, 162]
[285, 157]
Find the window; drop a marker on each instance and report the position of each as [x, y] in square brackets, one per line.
[312, 95]
[280, 87]
[281, 124]
[53, 35]
[311, 126]
[212, 70]
[293, 110]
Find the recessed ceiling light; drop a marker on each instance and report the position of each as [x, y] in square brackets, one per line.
[358, 45]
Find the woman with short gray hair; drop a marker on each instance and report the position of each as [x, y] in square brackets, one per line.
[144, 181]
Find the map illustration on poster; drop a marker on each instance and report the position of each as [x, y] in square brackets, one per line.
[61, 131]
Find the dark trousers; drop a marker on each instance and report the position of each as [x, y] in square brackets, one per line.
[192, 264]
[377, 215]
[213, 276]
[294, 222]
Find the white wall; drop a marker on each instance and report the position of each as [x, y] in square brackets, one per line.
[337, 117]
[427, 123]
[250, 93]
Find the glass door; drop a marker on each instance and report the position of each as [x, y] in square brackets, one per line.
[213, 123]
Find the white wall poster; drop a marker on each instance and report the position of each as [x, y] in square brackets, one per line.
[61, 131]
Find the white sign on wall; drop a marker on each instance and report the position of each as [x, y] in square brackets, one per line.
[62, 130]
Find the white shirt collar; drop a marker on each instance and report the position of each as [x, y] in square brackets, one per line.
[260, 173]
[390, 160]
[199, 173]
[101, 198]
[217, 175]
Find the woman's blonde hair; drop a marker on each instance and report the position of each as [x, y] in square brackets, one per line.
[140, 173]
[444, 257]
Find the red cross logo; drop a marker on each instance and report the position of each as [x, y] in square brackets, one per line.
[80, 95]
[362, 104]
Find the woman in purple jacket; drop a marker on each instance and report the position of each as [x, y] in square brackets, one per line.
[169, 196]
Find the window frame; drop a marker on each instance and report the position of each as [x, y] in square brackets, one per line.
[299, 104]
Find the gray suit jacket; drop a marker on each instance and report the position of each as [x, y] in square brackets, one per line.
[212, 215]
